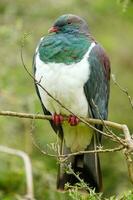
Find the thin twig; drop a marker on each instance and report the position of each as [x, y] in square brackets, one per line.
[123, 90]
[64, 157]
[36, 144]
[118, 139]
[83, 185]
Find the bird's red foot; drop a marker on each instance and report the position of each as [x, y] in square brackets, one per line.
[73, 120]
[57, 119]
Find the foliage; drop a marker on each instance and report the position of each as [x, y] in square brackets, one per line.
[113, 29]
[125, 3]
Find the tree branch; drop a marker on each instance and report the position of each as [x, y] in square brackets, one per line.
[124, 128]
[126, 143]
[84, 120]
[64, 157]
[28, 169]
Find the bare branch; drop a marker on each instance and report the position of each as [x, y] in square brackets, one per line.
[49, 117]
[129, 162]
[64, 157]
[28, 168]
[128, 138]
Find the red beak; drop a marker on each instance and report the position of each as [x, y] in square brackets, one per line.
[53, 29]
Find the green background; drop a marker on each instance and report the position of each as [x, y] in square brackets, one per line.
[113, 28]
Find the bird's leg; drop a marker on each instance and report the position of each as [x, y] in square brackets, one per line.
[57, 119]
[73, 120]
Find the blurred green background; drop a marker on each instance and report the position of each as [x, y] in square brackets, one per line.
[113, 28]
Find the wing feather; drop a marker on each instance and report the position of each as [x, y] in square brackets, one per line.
[98, 85]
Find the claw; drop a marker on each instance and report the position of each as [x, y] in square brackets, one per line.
[57, 119]
[73, 120]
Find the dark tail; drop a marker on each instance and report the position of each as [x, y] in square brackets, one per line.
[86, 165]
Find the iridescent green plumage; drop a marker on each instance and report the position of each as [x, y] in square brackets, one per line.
[63, 48]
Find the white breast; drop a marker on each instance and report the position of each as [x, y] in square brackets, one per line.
[65, 83]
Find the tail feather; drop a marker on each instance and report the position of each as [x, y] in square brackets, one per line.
[93, 175]
[86, 165]
[63, 177]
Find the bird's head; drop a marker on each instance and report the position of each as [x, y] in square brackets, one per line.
[69, 24]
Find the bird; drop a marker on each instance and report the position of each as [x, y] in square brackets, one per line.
[71, 66]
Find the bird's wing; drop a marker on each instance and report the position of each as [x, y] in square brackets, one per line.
[57, 128]
[97, 93]
[97, 87]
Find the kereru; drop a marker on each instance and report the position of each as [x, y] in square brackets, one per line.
[75, 70]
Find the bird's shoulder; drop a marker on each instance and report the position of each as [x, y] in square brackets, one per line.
[99, 58]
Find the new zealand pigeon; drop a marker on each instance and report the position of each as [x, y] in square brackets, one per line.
[75, 70]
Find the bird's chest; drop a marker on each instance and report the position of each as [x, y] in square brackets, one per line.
[65, 83]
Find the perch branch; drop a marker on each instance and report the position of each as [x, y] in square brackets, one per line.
[121, 127]
[49, 117]
[84, 120]
[90, 120]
